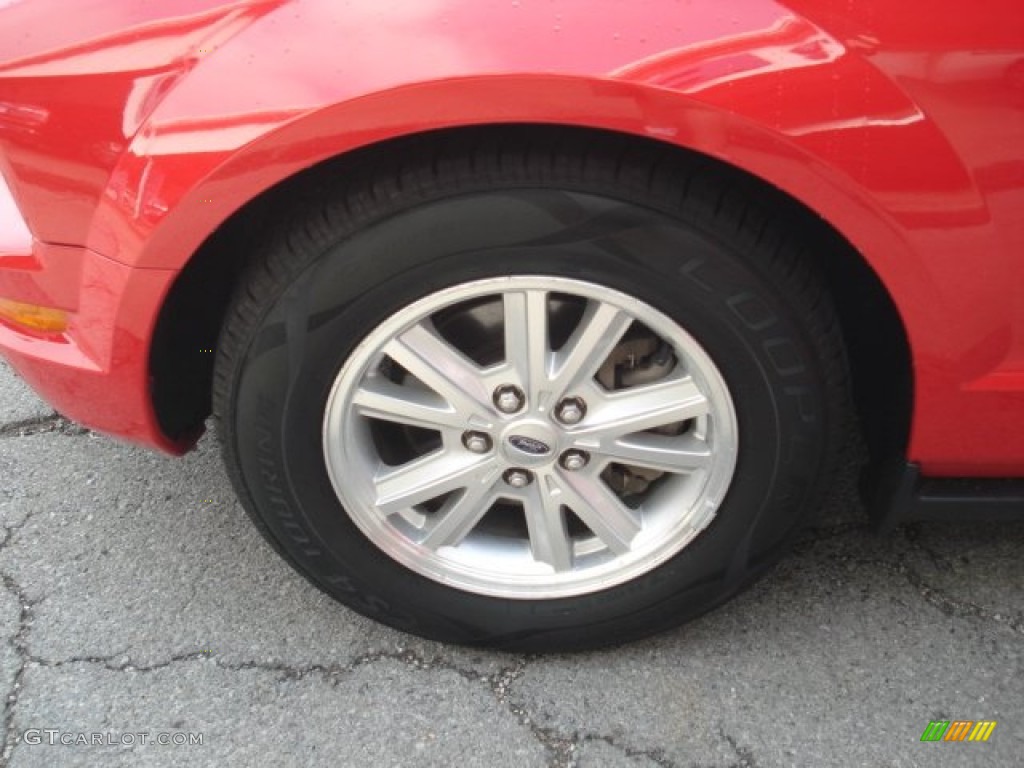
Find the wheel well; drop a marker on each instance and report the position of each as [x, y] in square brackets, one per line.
[181, 359]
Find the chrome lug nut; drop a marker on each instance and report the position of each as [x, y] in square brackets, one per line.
[571, 410]
[517, 478]
[574, 460]
[477, 442]
[509, 399]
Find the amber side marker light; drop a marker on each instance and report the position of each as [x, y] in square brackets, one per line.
[33, 316]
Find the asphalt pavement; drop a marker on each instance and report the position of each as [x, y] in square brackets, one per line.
[139, 606]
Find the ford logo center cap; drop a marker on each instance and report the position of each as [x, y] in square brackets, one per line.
[529, 445]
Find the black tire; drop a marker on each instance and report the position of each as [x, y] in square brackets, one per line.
[729, 271]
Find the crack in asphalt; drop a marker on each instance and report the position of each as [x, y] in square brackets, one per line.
[912, 535]
[10, 530]
[52, 422]
[19, 643]
[944, 602]
[120, 662]
[939, 599]
[952, 606]
[656, 756]
[558, 748]
[745, 754]
[562, 749]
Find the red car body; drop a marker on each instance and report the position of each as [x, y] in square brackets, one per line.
[130, 132]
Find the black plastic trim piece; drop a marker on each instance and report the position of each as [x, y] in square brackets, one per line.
[902, 495]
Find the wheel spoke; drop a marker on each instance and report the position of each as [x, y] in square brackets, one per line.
[598, 333]
[427, 478]
[654, 405]
[381, 398]
[663, 453]
[545, 521]
[601, 510]
[460, 514]
[444, 369]
[527, 348]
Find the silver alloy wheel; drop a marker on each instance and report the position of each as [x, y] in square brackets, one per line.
[605, 499]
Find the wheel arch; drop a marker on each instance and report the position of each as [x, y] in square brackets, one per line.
[190, 319]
